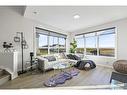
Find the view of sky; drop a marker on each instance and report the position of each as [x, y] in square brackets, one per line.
[105, 41]
[53, 40]
[43, 40]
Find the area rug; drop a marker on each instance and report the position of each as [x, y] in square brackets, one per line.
[61, 78]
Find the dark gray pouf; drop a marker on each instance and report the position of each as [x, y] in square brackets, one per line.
[85, 65]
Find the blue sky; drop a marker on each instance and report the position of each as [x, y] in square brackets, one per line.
[43, 40]
[105, 41]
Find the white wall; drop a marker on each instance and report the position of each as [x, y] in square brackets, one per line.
[121, 39]
[12, 21]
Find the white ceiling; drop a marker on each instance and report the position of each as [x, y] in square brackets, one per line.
[62, 16]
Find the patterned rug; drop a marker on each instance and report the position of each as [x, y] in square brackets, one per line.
[61, 78]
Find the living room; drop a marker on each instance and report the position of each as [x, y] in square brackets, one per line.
[53, 31]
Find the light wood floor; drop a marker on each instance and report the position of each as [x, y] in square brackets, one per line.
[98, 76]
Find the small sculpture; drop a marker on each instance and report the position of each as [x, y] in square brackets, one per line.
[7, 46]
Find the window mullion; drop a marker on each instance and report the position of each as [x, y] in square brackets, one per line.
[48, 45]
[84, 45]
[58, 44]
[65, 45]
[97, 44]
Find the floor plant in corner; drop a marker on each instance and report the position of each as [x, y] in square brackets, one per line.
[73, 46]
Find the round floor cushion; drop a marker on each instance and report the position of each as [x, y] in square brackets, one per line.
[120, 66]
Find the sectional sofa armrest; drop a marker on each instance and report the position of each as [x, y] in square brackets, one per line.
[42, 58]
[41, 62]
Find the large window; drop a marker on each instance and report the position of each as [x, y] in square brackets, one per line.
[62, 45]
[50, 42]
[53, 44]
[107, 43]
[101, 43]
[43, 44]
[91, 44]
[80, 44]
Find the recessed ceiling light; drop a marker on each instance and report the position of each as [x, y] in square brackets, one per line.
[35, 12]
[76, 16]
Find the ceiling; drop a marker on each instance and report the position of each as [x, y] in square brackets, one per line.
[62, 16]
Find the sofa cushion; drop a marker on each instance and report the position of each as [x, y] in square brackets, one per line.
[62, 56]
[70, 56]
[50, 58]
[77, 57]
[73, 57]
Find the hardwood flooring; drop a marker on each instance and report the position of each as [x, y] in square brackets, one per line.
[98, 76]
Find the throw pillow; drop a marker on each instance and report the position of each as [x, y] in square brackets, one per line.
[50, 58]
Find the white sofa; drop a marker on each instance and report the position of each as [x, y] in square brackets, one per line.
[45, 64]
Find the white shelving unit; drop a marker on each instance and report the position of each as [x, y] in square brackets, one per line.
[9, 62]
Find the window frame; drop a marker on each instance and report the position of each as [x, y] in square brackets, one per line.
[59, 45]
[83, 45]
[97, 42]
[47, 42]
[59, 35]
[99, 47]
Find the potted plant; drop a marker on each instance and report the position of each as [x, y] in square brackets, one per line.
[73, 46]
